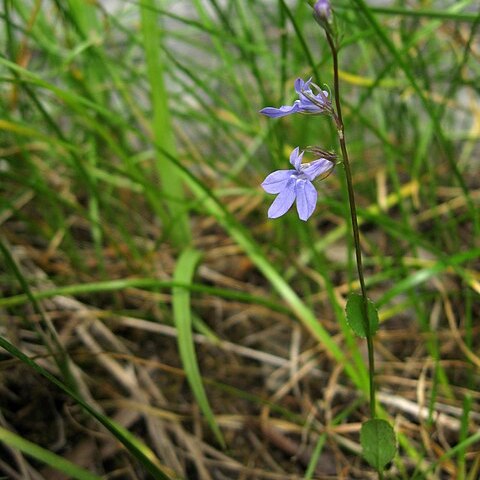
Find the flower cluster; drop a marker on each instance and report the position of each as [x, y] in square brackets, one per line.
[296, 184]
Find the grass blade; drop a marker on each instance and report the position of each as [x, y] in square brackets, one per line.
[162, 126]
[182, 315]
[45, 456]
[140, 451]
[444, 144]
[47, 331]
[146, 283]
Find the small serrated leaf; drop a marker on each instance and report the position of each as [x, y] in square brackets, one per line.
[354, 311]
[378, 443]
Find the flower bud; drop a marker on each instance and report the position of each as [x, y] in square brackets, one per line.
[322, 11]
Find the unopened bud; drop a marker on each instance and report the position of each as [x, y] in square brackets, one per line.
[322, 11]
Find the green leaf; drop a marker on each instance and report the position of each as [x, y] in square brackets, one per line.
[182, 315]
[49, 458]
[162, 125]
[355, 312]
[378, 443]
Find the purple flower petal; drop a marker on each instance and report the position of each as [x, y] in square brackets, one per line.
[301, 85]
[296, 159]
[282, 111]
[317, 167]
[308, 107]
[277, 181]
[319, 105]
[284, 200]
[306, 199]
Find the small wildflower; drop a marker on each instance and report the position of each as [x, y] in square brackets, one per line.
[307, 101]
[322, 11]
[291, 185]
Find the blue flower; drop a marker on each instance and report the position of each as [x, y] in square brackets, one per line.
[291, 185]
[307, 102]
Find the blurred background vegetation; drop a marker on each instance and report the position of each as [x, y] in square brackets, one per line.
[154, 322]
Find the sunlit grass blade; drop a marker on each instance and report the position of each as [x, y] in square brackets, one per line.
[44, 456]
[162, 126]
[182, 315]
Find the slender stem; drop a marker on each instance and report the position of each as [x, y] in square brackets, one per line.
[353, 214]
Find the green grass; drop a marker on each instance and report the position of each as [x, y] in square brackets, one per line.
[131, 157]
